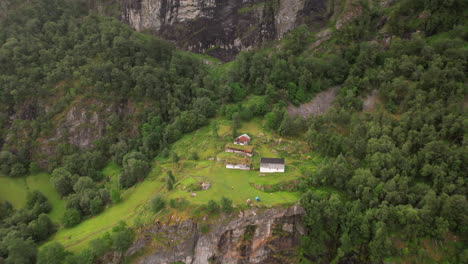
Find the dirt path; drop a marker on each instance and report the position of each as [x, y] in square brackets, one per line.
[318, 106]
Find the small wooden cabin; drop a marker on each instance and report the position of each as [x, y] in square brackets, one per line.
[240, 149]
[242, 140]
[238, 163]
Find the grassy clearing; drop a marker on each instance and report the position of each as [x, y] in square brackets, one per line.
[132, 207]
[236, 185]
[233, 184]
[15, 191]
[41, 182]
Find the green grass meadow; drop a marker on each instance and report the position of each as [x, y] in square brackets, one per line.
[15, 191]
[233, 184]
[132, 206]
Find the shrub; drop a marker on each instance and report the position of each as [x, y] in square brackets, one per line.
[194, 156]
[226, 204]
[204, 228]
[165, 153]
[175, 157]
[157, 204]
[173, 203]
[179, 203]
[212, 206]
[115, 196]
[122, 237]
[71, 217]
[96, 206]
[53, 253]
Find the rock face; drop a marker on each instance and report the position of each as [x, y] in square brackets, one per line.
[81, 124]
[222, 28]
[269, 237]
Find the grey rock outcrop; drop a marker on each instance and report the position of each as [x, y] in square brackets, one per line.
[222, 28]
[252, 237]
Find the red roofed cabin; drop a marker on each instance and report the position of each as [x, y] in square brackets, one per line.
[242, 140]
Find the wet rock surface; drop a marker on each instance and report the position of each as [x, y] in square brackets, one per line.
[223, 28]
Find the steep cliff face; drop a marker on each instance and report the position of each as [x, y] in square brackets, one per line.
[81, 124]
[222, 28]
[252, 237]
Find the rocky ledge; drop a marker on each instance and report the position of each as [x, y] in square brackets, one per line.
[270, 236]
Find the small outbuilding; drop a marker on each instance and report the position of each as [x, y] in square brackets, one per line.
[269, 165]
[240, 149]
[242, 140]
[238, 163]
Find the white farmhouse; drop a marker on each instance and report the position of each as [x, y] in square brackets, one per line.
[269, 165]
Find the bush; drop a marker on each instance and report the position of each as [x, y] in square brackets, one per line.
[173, 203]
[175, 157]
[17, 170]
[100, 246]
[165, 153]
[96, 206]
[226, 205]
[170, 181]
[157, 204]
[135, 168]
[71, 217]
[178, 203]
[204, 228]
[212, 206]
[53, 253]
[169, 185]
[34, 168]
[122, 237]
[194, 156]
[115, 196]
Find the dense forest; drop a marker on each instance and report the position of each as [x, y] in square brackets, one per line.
[50, 47]
[400, 171]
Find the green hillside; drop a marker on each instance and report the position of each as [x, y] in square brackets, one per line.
[233, 184]
[105, 132]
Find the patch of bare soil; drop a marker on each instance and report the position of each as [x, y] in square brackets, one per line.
[371, 101]
[318, 106]
[321, 37]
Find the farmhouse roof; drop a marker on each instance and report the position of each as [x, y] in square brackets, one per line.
[238, 160]
[272, 161]
[243, 138]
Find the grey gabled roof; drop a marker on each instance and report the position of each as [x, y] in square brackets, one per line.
[271, 161]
